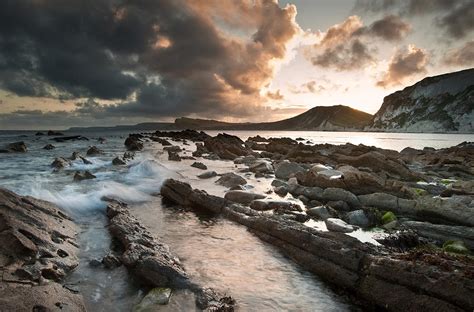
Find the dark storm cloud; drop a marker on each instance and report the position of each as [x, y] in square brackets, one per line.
[345, 46]
[455, 17]
[155, 58]
[404, 64]
[463, 56]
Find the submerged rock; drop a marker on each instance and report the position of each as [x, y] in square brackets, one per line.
[60, 163]
[155, 297]
[133, 143]
[16, 147]
[86, 175]
[117, 161]
[49, 147]
[93, 151]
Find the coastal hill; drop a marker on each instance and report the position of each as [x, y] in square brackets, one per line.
[441, 103]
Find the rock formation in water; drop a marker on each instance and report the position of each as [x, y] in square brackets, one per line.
[442, 103]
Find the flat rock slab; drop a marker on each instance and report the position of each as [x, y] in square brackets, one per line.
[242, 197]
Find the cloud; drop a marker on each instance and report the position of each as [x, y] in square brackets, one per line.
[277, 96]
[404, 64]
[463, 56]
[153, 58]
[345, 46]
[453, 16]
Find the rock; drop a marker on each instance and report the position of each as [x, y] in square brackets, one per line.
[257, 138]
[336, 194]
[261, 167]
[101, 140]
[86, 175]
[321, 212]
[339, 205]
[155, 297]
[133, 143]
[388, 217]
[85, 160]
[51, 132]
[402, 240]
[242, 197]
[280, 205]
[247, 160]
[187, 134]
[207, 175]
[49, 147]
[199, 165]
[37, 251]
[442, 233]
[128, 156]
[455, 247]
[95, 263]
[117, 161]
[357, 217]
[337, 225]
[231, 179]
[227, 146]
[161, 141]
[111, 261]
[173, 156]
[93, 151]
[281, 190]
[60, 163]
[39, 133]
[70, 138]
[173, 149]
[286, 169]
[17, 147]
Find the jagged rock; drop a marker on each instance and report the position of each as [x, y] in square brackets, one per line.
[227, 146]
[173, 156]
[93, 151]
[37, 250]
[51, 132]
[70, 138]
[242, 197]
[261, 166]
[231, 179]
[111, 261]
[49, 147]
[16, 147]
[336, 194]
[39, 133]
[207, 175]
[60, 163]
[86, 175]
[154, 298]
[172, 149]
[133, 143]
[117, 161]
[199, 165]
[286, 169]
[280, 205]
[337, 225]
[161, 141]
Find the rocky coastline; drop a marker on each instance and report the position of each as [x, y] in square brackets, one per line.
[422, 201]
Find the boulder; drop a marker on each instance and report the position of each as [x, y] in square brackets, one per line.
[336, 194]
[287, 169]
[49, 147]
[173, 156]
[86, 175]
[60, 163]
[358, 218]
[337, 225]
[133, 143]
[111, 261]
[246, 160]
[320, 212]
[172, 148]
[207, 175]
[261, 166]
[243, 197]
[280, 205]
[17, 147]
[93, 151]
[199, 165]
[231, 179]
[227, 146]
[117, 161]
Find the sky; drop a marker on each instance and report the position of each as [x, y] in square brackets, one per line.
[111, 62]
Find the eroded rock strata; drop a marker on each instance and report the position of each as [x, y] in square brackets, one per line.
[379, 277]
[37, 250]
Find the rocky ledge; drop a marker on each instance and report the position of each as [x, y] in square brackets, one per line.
[153, 263]
[37, 250]
[378, 277]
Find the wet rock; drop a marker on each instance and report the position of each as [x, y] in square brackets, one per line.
[187, 134]
[93, 151]
[337, 225]
[199, 165]
[86, 175]
[173, 156]
[403, 240]
[357, 217]
[246, 160]
[95, 263]
[161, 141]
[257, 138]
[227, 146]
[37, 250]
[281, 190]
[133, 143]
[442, 233]
[85, 160]
[320, 212]
[200, 150]
[70, 138]
[388, 217]
[154, 298]
[280, 205]
[49, 147]
[117, 161]
[60, 163]
[111, 261]
[337, 194]
[242, 197]
[457, 247]
[261, 167]
[51, 132]
[339, 205]
[287, 169]
[207, 175]
[39, 133]
[128, 156]
[231, 179]
[173, 149]
[16, 147]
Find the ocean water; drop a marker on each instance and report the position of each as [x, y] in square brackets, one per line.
[215, 252]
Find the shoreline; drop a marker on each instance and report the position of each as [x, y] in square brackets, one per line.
[374, 180]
